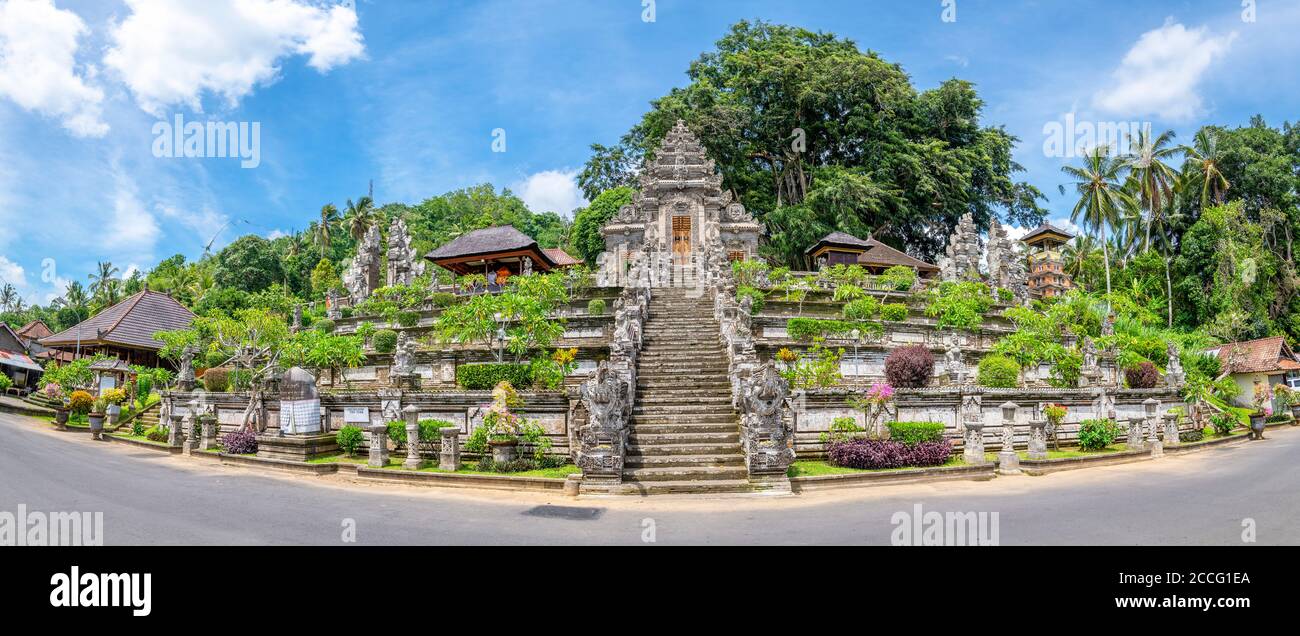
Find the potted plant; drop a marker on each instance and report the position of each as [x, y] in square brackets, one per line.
[1263, 396]
[54, 393]
[79, 404]
[113, 398]
[96, 416]
[503, 426]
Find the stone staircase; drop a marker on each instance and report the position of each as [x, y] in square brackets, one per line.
[684, 434]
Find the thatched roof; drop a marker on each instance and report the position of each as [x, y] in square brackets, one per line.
[130, 323]
[1046, 230]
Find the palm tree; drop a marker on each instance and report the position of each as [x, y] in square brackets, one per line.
[75, 297]
[1102, 200]
[360, 216]
[7, 296]
[329, 215]
[1152, 178]
[1202, 166]
[1075, 255]
[101, 285]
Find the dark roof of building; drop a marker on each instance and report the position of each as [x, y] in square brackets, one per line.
[1043, 230]
[111, 364]
[35, 330]
[130, 323]
[840, 239]
[879, 254]
[561, 257]
[502, 238]
[1256, 356]
[9, 340]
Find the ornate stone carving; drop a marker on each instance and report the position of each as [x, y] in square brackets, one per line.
[185, 378]
[606, 401]
[404, 265]
[362, 275]
[403, 368]
[963, 252]
[1174, 374]
[954, 360]
[767, 432]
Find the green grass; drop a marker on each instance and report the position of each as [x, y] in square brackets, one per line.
[1071, 453]
[1242, 414]
[395, 463]
[139, 438]
[817, 468]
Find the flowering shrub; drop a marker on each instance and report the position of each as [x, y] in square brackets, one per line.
[1055, 412]
[1142, 376]
[880, 393]
[81, 402]
[240, 442]
[787, 356]
[911, 366]
[53, 391]
[113, 396]
[876, 454]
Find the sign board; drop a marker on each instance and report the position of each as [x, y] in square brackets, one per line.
[356, 415]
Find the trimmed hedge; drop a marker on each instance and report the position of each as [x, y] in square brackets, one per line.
[216, 380]
[894, 312]
[408, 318]
[485, 376]
[998, 372]
[912, 433]
[909, 367]
[869, 454]
[384, 341]
[1142, 376]
[596, 307]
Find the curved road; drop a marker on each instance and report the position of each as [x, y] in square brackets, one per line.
[150, 498]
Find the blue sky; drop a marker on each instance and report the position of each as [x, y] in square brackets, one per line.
[408, 93]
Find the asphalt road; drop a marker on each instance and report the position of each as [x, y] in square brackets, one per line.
[151, 499]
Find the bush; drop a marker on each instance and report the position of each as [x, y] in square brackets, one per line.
[1223, 423]
[596, 307]
[755, 296]
[894, 312]
[998, 372]
[862, 309]
[408, 318]
[871, 454]
[1095, 435]
[485, 376]
[5, 382]
[910, 367]
[324, 325]
[80, 402]
[216, 380]
[143, 387]
[156, 434]
[1194, 435]
[240, 443]
[442, 299]
[215, 358]
[1142, 376]
[897, 278]
[913, 433]
[428, 435]
[349, 439]
[137, 428]
[113, 396]
[842, 429]
[385, 341]
[1005, 296]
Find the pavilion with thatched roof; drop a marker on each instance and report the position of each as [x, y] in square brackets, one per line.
[498, 253]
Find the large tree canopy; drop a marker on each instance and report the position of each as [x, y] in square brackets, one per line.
[813, 135]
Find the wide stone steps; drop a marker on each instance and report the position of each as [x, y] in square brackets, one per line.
[661, 399]
[659, 426]
[685, 473]
[638, 438]
[684, 461]
[634, 450]
[694, 487]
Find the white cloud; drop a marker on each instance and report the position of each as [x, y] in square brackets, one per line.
[38, 67]
[551, 191]
[134, 230]
[204, 223]
[172, 53]
[12, 273]
[1159, 76]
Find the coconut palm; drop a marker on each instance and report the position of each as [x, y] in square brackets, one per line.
[1075, 255]
[360, 216]
[1152, 179]
[329, 216]
[1102, 199]
[1202, 166]
[7, 296]
[102, 281]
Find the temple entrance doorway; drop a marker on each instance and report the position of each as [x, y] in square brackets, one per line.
[681, 240]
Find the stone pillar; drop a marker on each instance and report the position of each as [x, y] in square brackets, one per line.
[378, 446]
[449, 455]
[1151, 409]
[1008, 460]
[974, 437]
[412, 416]
[175, 436]
[1136, 440]
[209, 426]
[1171, 430]
[1037, 439]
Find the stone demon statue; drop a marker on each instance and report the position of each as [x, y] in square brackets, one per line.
[767, 433]
[606, 401]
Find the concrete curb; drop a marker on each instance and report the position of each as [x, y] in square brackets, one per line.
[264, 462]
[33, 411]
[1036, 467]
[137, 443]
[980, 472]
[455, 480]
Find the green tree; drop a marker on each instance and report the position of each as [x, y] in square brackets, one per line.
[586, 239]
[1102, 199]
[248, 264]
[324, 278]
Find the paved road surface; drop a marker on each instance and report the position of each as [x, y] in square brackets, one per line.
[149, 498]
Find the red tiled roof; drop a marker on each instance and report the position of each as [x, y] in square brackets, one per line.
[130, 323]
[883, 255]
[561, 257]
[35, 330]
[1256, 356]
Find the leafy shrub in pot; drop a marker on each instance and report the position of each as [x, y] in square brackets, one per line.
[910, 367]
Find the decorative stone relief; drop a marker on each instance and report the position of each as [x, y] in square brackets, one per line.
[767, 432]
[602, 440]
[404, 265]
[362, 275]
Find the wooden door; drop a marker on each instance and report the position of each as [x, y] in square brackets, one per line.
[681, 239]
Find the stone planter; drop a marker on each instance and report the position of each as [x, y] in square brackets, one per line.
[96, 424]
[1295, 411]
[61, 417]
[1257, 425]
[503, 451]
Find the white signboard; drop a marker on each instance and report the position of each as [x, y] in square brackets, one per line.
[356, 415]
